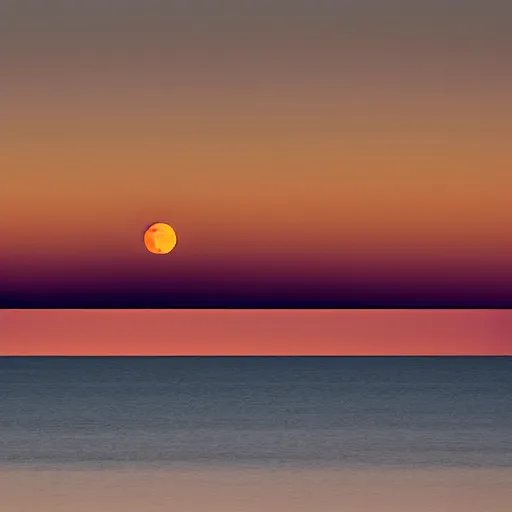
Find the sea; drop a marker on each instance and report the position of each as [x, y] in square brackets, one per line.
[250, 412]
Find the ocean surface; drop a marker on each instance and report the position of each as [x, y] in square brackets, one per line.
[320, 412]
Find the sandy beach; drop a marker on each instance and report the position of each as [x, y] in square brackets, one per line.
[256, 490]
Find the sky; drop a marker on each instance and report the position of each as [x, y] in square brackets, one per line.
[210, 332]
[308, 154]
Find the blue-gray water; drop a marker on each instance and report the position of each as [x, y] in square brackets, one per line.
[321, 412]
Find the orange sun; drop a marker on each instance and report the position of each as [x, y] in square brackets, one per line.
[160, 238]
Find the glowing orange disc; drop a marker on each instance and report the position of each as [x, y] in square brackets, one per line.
[160, 238]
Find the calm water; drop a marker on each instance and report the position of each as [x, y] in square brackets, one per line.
[321, 412]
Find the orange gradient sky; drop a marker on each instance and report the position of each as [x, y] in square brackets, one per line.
[256, 332]
[268, 135]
